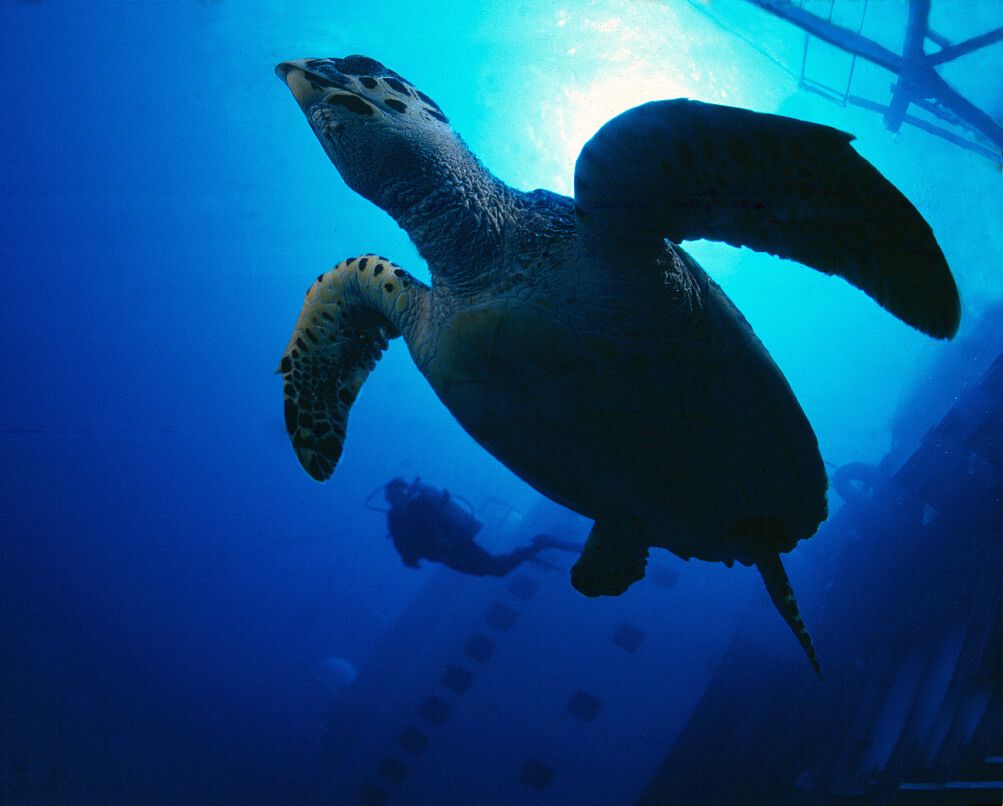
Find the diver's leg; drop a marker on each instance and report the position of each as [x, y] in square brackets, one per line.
[478, 562]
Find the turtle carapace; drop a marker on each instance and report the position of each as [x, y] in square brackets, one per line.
[576, 340]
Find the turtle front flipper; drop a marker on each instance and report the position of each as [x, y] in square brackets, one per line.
[779, 588]
[348, 317]
[611, 561]
[685, 170]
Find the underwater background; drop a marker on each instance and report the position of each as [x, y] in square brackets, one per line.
[186, 617]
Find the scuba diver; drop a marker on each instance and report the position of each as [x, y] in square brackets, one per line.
[430, 524]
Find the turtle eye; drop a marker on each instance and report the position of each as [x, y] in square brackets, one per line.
[351, 102]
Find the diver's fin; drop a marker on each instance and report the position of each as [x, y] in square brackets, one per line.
[610, 563]
[348, 316]
[779, 588]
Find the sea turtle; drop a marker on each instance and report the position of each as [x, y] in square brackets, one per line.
[576, 340]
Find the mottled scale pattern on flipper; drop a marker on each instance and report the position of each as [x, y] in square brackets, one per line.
[345, 325]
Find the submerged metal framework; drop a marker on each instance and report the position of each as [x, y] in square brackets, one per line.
[918, 82]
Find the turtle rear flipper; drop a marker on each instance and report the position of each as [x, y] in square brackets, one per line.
[610, 563]
[348, 317]
[779, 588]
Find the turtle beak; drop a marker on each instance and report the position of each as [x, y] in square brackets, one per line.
[283, 68]
[295, 74]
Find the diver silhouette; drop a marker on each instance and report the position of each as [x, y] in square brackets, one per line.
[426, 523]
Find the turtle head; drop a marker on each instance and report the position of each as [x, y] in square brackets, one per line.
[376, 127]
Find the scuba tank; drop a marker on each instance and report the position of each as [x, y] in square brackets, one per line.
[456, 514]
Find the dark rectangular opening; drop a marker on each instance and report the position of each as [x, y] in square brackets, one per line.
[501, 616]
[536, 774]
[392, 769]
[457, 679]
[479, 647]
[413, 740]
[435, 710]
[584, 706]
[627, 636]
[522, 587]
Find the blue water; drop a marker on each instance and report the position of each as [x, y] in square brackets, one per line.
[170, 579]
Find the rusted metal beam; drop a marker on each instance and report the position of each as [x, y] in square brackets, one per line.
[966, 110]
[975, 43]
[917, 26]
[911, 83]
[938, 39]
[842, 38]
[926, 126]
[920, 79]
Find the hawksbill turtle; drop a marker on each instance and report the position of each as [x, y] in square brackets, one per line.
[576, 340]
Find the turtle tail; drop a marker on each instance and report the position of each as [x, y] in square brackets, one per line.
[779, 588]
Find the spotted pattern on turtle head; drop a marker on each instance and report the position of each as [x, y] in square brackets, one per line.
[362, 85]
